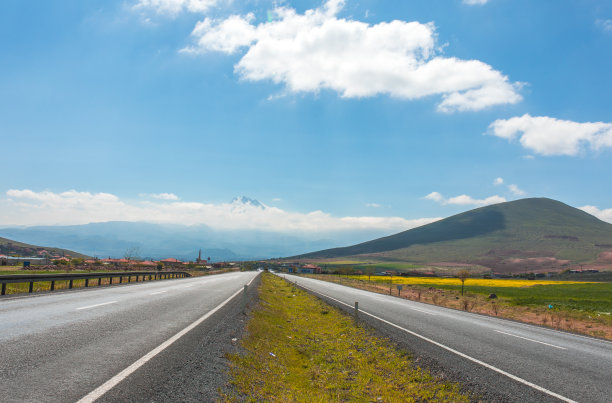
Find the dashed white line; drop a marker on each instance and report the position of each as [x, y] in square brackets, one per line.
[158, 292]
[111, 383]
[535, 341]
[96, 305]
[475, 360]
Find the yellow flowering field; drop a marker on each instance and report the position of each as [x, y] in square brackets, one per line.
[470, 281]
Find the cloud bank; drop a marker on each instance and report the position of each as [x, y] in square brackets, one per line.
[604, 215]
[315, 51]
[26, 207]
[549, 136]
[464, 200]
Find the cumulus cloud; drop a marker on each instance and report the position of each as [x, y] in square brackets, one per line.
[318, 51]
[516, 190]
[164, 196]
[549, 136]
[26, 207]
[174, 7]
[464, 200]
[604, 215]
[498, 181]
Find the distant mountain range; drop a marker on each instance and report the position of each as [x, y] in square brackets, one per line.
[158, 241]
[535, 234]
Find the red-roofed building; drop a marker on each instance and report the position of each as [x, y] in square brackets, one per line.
[171, 260]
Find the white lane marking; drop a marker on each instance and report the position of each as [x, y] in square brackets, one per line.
[535, 341]
[188, 286]
[96, 305]
[522, 324]
[111, 383]
[477, 361]
[158, 292]
[420, 310]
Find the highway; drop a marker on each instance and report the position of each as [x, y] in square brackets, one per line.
[71, 345]
[517, 361]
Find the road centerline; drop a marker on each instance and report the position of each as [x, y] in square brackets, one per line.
[96, 305]
[535, 341]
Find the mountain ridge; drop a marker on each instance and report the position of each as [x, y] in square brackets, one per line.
[504, 234]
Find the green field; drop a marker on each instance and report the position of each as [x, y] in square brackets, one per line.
[592, 297]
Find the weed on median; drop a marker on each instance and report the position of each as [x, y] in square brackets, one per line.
[300, 349]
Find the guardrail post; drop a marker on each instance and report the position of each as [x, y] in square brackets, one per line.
[120, 279]
[110, 280]
[86, 282]
[70, 284]
[52, 285]
[356, 311]
[244, 299]
[31, 286]
[3, 288]
[99, 281]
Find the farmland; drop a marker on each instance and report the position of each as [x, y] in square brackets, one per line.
[583, 307]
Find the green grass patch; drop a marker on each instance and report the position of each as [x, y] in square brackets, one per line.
[589, 297]
[301, 349]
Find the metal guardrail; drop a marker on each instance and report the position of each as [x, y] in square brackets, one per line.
[35, 278]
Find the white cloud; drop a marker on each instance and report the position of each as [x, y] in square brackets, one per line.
[465, 200]
[550, 136]
[604, 215]
[374, 205]
[498, 181]
[435, 196]
[605, 25]
[516, 191]
[475, 2]
[318, 51]
[164, 196]
[174, 7]
[26, 207]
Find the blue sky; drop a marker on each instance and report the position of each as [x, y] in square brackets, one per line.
[401, 111]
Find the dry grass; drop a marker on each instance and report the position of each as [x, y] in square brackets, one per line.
[299, 349]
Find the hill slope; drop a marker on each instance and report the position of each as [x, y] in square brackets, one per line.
[534, 234]
[10, 247]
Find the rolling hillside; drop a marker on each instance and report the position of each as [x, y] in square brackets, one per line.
[10, 247]
[535, 234]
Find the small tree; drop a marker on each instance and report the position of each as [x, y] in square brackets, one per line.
[369, 271]
[463, 275]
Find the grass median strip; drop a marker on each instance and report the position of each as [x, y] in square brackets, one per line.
[300, 349]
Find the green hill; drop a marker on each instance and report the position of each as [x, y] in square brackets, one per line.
[528, 234]
[10, 247]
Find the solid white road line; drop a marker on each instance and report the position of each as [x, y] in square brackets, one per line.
[96, 305]
[475, 360]
[535, 341]
[158, 292]
[111, 383]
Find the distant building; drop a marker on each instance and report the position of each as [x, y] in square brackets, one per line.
[309, 269]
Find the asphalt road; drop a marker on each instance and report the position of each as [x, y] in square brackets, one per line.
[504, 359]
[62, 346]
